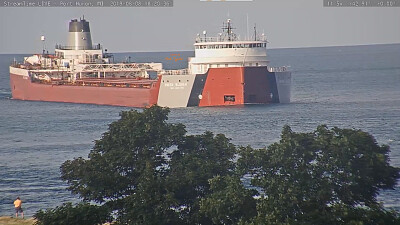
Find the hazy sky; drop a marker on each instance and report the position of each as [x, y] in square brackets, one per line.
[286, 23]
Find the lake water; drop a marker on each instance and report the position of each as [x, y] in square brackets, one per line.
[349, 87]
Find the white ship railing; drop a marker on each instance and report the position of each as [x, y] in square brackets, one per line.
[226, 39]
[119, 67]
[65, 47]
[209, 39]
[175, 72]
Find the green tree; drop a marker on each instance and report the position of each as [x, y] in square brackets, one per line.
[126, 167]
[198, 159]
[229, 202]
[306, 177]
[147, 171]
[67, 214]
[149, 204]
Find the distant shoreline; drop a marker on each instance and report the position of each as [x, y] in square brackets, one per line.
[278, 48]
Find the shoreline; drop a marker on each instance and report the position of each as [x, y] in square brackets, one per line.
[10, 220]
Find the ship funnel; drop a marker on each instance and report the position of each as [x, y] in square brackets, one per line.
[79, 37]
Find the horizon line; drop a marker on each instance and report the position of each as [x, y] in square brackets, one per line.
[274, 48]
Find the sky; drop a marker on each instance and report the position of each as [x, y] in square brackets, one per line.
[286, 24]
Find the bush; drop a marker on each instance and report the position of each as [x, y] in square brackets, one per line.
[67, 214]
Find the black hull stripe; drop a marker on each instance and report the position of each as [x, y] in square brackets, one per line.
[274, 88]
[197, 89]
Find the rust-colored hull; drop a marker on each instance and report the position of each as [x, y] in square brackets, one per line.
[223, 82]
[217, 87]
[22, 88]
[238, 86]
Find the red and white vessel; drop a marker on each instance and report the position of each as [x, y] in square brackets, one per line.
[224, 71]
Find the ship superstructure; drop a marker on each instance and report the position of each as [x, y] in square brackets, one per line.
[224, 71]
[81, 72]
[226, 50]
[227, 71]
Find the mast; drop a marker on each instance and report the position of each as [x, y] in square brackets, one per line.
[228, 30]
[247, 27]
[255, 32]
[42, 38]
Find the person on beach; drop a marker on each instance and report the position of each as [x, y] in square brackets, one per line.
[18, 207]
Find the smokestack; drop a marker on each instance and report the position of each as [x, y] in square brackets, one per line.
[79, 37]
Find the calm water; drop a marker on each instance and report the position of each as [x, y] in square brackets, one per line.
[355, 87]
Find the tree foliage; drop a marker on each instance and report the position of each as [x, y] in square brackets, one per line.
[127, 167]
[229, 202]
[318, 177]
[120, 157]
[67, 214]
[197, 160]
[147, 171]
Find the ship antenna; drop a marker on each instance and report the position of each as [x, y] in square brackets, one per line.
[248, 38]
[42, 38]
[229, 29]
[263, 34]
[255, 32]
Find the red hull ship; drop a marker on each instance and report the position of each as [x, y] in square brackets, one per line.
[224, 71]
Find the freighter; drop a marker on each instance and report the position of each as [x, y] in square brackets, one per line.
[224, 71]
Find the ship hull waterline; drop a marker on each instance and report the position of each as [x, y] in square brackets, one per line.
[218, 87]
[23, 89]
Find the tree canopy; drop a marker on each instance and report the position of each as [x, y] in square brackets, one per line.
[318, 177]
[145, 170]
[67, 214]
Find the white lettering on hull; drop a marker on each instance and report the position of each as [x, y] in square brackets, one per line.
[176, 86]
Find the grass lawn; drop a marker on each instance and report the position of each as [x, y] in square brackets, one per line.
[6, 220]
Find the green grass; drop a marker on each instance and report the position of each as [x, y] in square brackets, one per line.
[5, 220]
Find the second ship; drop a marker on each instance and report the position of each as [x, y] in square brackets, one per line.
[224, 71]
